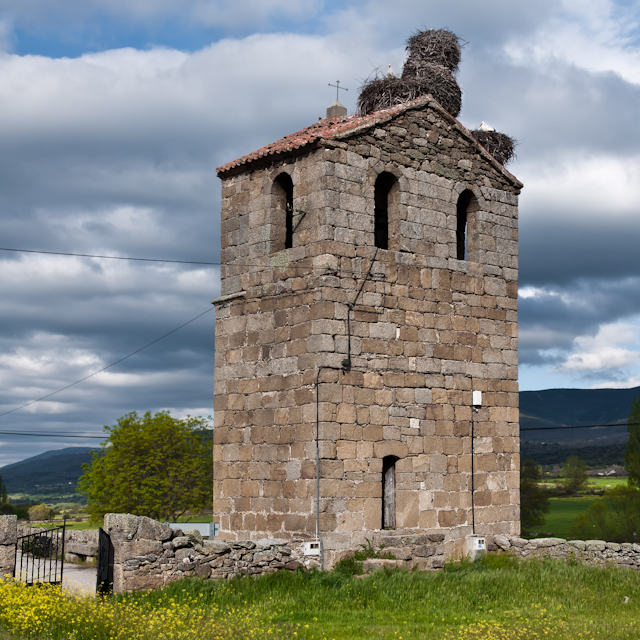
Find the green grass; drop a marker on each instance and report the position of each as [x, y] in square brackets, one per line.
[496, 598]
[81, 526]
[562, 512]
[608, 483]
[594, 482]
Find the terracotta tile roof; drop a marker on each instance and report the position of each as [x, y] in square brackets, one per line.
[345, 126]
[327, 129]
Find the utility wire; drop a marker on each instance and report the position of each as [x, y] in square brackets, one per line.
[211, 264]
[581, 426]
[89, 255]
[108, 366]
[78, 435]
[48, 435]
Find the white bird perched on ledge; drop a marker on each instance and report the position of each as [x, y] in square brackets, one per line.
[485, 127]
[390, 73]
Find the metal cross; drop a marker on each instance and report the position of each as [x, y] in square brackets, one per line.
[338, 87]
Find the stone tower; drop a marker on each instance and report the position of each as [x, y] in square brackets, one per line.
[369, 287]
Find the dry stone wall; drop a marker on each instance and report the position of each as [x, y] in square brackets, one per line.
[427, 330]
[8, 538]
[592, 552]
[149, 554]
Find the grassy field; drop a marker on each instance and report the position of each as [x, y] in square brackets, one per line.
[562, 512]
[594, 483]
[497, 598]
[607, 483]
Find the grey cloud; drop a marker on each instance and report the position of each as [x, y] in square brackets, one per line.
[88, 140]
[550, 323]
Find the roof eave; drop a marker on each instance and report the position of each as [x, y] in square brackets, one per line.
[266, 159]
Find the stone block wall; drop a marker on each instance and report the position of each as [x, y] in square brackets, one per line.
[8, 538]
[426, 330]
[149, 554]
[81, 546]
[592, 552]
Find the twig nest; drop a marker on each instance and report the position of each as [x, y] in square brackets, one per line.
[434, 46]
[499, 145]
[436, 80]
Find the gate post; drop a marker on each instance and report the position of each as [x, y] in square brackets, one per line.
[8, 541]
[104, 584]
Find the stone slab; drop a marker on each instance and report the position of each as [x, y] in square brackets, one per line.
[8, 529]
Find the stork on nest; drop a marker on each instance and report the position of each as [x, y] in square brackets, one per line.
[501, 146]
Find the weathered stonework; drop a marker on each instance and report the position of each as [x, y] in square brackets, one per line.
[149, 554]
[8, 538]
[592, 552]
[425, 331]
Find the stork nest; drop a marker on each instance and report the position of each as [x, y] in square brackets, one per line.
[434, 46]
[387, 92]
[499, 145]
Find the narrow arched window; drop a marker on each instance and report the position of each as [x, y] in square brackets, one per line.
[389, 492]
[464, 208]
[383, 186]
[282, 232]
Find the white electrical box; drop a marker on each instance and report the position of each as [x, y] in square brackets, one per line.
[477, 398]
[312, 548]
[476, 546]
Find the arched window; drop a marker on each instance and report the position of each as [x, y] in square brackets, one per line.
[282, 236]
[389, 492]
[382, 204]
[467, 204]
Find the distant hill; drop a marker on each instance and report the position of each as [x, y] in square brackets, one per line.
[599, 446]
[573, 407]
[48, 472]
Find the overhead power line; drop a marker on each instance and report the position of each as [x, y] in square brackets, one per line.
[211, 264]
[581, 426]
[95, 373]
[49, 435]
[89, 255]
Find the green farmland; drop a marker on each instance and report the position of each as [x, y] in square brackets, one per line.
[562, 512]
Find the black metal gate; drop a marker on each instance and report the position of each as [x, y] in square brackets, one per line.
[104, 583]
[40, 556]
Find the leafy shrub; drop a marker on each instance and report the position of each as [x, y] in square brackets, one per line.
[575, 475]
[40, 512]
[615, 517]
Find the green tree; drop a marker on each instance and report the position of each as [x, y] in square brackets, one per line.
[40, 512]
[575, 475]
[632, 453]
[534, 500]
[615, 517]
[154, 465]
[4, 498]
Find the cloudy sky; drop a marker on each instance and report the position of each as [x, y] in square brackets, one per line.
[114, 115]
